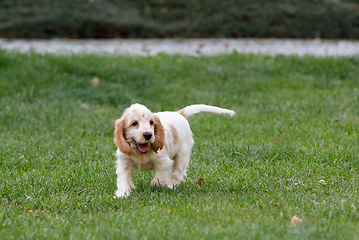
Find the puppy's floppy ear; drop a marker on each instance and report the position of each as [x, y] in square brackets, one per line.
[159, 135]
[120, 140]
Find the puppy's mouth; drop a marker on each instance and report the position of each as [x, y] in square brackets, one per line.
[141, 147]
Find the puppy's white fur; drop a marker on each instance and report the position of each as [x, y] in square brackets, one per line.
[167, 151]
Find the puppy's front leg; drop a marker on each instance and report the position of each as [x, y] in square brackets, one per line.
[124, 177]
[163, 167]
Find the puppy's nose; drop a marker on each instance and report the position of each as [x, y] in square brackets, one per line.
[147, 136]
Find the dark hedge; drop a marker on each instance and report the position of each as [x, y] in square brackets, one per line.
[176, 18]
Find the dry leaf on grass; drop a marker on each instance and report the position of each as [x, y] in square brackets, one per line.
[200, 181]
[95, 80]
[295, 221]
[276, 204]
[262, 202]
[32, 211]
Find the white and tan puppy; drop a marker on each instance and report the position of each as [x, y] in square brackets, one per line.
[155, 141]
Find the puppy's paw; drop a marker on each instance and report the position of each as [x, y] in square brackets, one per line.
[155, 182]
[120, 194]
[178, 177]
[164, 183]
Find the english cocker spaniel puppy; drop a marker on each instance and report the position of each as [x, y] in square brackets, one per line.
[155, 141]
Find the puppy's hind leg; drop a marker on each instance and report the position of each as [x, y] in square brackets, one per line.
[181, 161]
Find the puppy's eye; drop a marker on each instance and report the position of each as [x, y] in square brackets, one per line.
[151, 122]
[134, 124]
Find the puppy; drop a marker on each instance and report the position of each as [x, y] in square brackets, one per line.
[155, 141]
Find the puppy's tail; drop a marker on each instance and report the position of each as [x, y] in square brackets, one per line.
[197, 108]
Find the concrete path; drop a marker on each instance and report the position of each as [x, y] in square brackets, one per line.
[193, 47]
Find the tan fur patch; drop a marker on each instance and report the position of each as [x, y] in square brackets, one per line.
[174, 134]
[182, 112]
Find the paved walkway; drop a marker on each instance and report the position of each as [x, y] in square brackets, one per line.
[193, 47]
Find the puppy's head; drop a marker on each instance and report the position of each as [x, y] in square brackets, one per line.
[138, 130]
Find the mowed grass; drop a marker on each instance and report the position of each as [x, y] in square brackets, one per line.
[297, 123]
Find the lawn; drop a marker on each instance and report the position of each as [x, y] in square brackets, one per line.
[291, 149]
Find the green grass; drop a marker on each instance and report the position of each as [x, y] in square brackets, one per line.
[297, 123]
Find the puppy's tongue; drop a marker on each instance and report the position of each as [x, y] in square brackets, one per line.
[143, 147]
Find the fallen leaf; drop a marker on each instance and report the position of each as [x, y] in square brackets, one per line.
[271, 120]
[262, 202]
[200, 181]
[276, 204]
[201, 46]
[169, 212]
[198, 51]
[333, 73]
[30, 212]
[295, 221]
[274, 140]
[95, 80]
[164, 10]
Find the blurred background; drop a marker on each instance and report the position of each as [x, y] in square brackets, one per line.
[308, 19]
